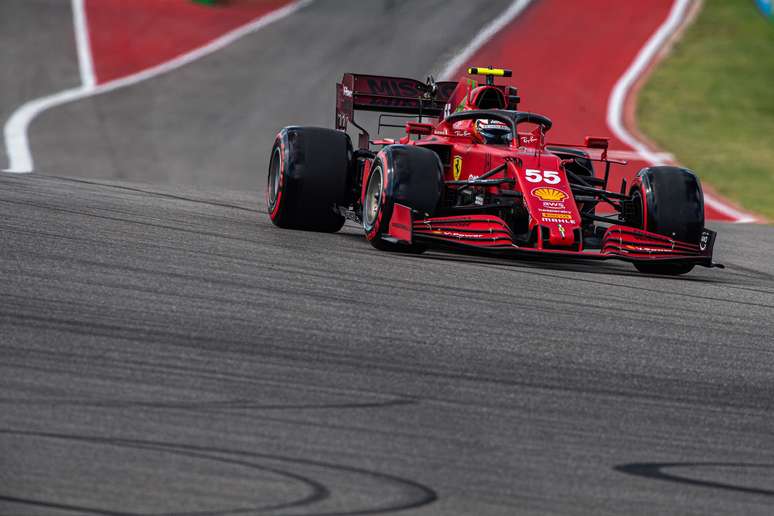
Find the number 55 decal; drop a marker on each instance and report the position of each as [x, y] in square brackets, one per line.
[546, 176]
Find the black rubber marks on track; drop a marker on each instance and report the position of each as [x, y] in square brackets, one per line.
[314, 482]
[658, 471]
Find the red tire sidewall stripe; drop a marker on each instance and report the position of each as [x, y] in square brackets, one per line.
[274, 211]
[644, 207]
[375, 231]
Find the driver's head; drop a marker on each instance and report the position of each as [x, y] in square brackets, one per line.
[493, 132]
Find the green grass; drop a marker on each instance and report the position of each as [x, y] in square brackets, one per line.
[711, 102]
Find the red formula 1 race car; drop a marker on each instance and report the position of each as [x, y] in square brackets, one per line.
[479, 176]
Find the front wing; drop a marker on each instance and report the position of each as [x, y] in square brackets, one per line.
[491, 234]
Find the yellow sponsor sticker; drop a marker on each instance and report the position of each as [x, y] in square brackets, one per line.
[457, 167]
[549, 194]
[552, 215]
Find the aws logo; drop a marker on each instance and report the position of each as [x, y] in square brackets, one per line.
[549, 194]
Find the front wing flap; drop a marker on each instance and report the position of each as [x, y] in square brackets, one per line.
[490, 233]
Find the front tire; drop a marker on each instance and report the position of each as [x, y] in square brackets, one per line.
[400, 174]
[668, 201]
[309, 170]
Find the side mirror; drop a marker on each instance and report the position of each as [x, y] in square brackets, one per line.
[597, 142]
[419, 128]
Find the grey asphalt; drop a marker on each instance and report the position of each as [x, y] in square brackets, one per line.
[213, 122]
[38, 54]
[165, 350]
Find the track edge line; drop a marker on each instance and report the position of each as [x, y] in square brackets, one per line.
[623, 89]
[15, 131]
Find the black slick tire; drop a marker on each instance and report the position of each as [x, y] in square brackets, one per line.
[668, 201]
[309, 170]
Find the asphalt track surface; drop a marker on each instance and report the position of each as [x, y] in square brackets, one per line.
[213, 122]
[166, 350]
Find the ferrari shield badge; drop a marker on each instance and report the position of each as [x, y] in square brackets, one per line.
[457, 167]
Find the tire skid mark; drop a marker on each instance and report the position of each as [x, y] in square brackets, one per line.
[509, 378]
[318, 491]
[231, 378]
[655, 470]
[413, 494]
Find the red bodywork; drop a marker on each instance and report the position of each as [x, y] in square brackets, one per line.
[526, 169]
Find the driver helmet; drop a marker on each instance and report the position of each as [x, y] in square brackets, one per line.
[493, 131]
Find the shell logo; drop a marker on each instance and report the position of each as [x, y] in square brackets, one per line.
[549, 194]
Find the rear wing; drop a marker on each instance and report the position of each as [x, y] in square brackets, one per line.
[388, 95]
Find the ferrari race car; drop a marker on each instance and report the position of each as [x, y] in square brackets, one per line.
[473, 172]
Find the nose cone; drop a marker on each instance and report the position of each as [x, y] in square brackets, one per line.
[549, 199]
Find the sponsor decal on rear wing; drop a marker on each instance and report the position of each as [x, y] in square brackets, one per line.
[389, 95]
[392, 94]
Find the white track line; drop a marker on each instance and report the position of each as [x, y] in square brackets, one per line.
[15, 130]
[615, 104]
[83, 45]
[484, 35]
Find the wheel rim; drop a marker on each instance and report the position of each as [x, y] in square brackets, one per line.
[373, 196]
[274, 176]
[639, 210]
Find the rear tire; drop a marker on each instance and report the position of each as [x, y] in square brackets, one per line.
[309, 171]
[668, 201]
[400, 174]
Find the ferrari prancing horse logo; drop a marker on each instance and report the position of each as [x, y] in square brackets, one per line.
[457, 167]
